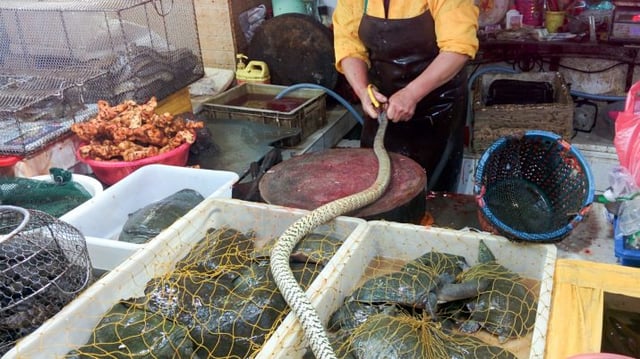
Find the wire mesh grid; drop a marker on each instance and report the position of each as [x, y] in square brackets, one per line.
[89, 51]
[45, 264]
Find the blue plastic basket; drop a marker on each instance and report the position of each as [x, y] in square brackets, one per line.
[535, 187]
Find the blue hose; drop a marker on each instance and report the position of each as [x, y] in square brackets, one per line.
[339, 98]
[589, 96]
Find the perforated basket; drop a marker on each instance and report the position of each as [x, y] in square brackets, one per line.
[535, 187]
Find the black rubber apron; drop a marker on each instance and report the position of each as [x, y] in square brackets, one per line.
[399, 50]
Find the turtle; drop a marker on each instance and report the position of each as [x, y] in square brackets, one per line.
[390, 337]
[442, 263]
[228, 315]
[339, 341]
[126, 331]
[421, 284]
[314, 247]
[405, 336]
[507, 308]
[250, 312]
[352, 314]
[147, 222]
[220, 248]
[464, 346]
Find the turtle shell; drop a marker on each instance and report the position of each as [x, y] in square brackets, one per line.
[506, 309]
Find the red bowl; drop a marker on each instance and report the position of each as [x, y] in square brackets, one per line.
[110, 172]
[8, 161]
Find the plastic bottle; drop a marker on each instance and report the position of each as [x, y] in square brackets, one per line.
[254, 71]
[629, 222]
[513, 19]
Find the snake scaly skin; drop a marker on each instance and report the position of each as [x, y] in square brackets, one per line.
[291, 291]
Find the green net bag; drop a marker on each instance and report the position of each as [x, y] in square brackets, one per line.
[55, 197]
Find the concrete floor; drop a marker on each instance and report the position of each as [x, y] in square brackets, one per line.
[592, 239]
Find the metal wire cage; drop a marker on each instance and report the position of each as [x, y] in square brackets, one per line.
[535, 187]
[59, 57]
[44, 264]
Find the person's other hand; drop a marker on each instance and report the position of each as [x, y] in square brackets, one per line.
[401, 106]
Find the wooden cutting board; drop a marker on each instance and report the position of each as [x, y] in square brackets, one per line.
[311, 180]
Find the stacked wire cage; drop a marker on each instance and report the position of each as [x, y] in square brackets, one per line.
[44, 264]
[59, 58]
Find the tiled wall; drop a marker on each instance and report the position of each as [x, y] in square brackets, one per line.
[220, 35]
[216, 37]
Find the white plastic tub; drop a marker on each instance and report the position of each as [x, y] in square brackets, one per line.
[72, 326]
[406, 242]
[101, 218]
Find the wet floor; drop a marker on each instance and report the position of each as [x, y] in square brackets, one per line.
[592, 238]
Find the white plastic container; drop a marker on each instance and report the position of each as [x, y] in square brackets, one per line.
[406, 242]
[92, 185]
[73, 325]
[101, 218]
[104, 215]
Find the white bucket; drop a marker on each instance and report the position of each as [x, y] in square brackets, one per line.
[288, 6]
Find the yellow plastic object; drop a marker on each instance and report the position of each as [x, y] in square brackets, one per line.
[374, 100]
[255, 71]
[577, 305]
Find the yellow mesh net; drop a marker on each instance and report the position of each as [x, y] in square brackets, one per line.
[436, 306]
[202, 288]
[218, 301]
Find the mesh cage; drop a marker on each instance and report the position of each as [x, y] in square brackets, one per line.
[534, 187]
[44, 265]
[58, 58]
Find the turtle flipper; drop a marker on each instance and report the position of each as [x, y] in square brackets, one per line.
[484, 253]
[456, 291]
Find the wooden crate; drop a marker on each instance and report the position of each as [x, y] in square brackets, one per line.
[494, 121]
[177, 103]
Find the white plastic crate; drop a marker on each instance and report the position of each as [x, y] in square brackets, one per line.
[72, 326]
[406, 242]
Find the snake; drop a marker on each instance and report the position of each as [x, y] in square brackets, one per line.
[292, 292]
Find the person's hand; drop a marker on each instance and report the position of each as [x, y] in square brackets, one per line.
[367, 105]
[401, 106]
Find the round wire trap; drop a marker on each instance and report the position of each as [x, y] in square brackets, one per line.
[535, 187]
[44, 264]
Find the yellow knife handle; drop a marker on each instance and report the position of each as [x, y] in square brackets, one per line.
[372, 96]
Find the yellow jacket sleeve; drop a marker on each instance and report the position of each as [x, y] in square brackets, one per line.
[456, 24]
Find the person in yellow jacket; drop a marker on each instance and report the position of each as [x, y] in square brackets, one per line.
[414, 52]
